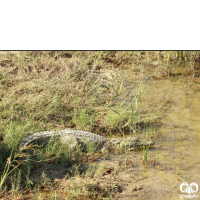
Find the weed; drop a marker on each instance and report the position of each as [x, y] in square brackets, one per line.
[92, 147]
[37, 192]
[15, 181]
[28, 181]
[147, 134]
[45, 180]
[91, 171]
[9, 168]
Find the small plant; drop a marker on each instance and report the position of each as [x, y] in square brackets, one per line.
[91, 171]
[10, 167]
[28, 181]
[15, 181]
[91, 147]
[99, 171]
[119, 90]
[37, 192]
[45, 180]
[144, 152]
[145, 147]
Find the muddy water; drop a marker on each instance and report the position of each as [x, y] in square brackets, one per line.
[176, 156]
[180, 138]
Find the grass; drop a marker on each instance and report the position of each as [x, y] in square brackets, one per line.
[135, 117]
[146, 135]
[42, 91]
[9, 168]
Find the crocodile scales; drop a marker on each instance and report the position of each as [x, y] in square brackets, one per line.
[74, 137]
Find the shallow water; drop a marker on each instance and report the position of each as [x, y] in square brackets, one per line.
[176, 156]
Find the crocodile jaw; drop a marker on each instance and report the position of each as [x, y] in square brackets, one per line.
[130, 142]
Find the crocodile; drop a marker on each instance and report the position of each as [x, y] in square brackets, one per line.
[77, 137]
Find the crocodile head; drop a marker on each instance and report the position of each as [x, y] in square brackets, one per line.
[130, 142]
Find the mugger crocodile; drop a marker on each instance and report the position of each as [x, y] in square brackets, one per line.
[74, 138]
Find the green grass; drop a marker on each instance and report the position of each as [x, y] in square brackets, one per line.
[11, 164]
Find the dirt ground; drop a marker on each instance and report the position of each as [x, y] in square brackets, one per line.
[111, 176]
